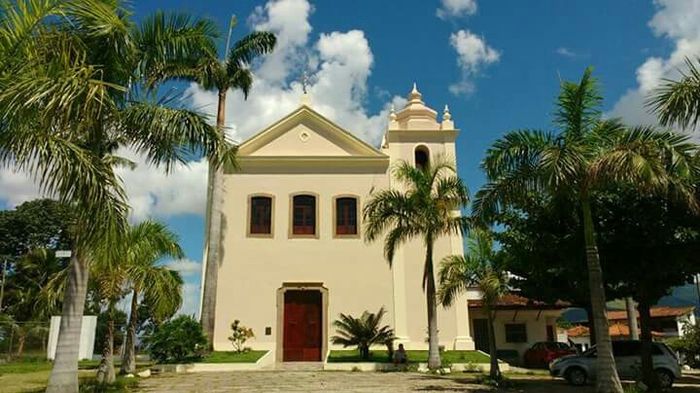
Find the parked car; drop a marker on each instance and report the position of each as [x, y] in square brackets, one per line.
[581, 369]
[542, 353]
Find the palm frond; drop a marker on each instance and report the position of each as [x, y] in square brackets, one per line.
[578, 106]
[384, 209]
[248, 48]
[677, 103]
[453, 278]
[522, 148]
[168, 135]
[174, 45]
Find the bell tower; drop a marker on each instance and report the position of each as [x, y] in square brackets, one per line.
[414, 135]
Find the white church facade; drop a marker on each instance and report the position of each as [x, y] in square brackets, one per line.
[293, 255]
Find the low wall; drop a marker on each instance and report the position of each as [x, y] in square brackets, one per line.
[422, 367]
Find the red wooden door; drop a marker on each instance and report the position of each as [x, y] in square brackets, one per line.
[302, 326]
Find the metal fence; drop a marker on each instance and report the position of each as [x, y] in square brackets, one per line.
[29, 340]
[23, 339]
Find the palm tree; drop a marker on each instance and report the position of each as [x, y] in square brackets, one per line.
[481, 268]
[678, 102]
[77, 82]
[146, 244]
[362, 332]
[588, 153]
[426, 207]
[213, 74]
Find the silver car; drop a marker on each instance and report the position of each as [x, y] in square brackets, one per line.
[581, 369]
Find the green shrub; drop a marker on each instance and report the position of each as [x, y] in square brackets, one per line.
[239, 335]
[177, 340]
[688, 345]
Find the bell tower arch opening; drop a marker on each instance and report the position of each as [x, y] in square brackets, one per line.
[421, 157]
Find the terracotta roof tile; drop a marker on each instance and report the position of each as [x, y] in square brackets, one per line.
[656, 312]
[616, 330]
[516, 301]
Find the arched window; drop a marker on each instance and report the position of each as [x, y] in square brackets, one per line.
[304, 215]
[346, 216]
[421, 157]
[260, 215]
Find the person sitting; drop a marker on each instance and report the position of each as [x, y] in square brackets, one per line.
[400, 356]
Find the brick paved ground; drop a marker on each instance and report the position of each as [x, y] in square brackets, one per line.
[309, 381]
[365, 382]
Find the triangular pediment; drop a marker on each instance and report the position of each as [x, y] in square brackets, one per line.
[306, 133]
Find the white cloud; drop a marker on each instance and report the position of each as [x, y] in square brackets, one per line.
[340, 64]
[289, 19]
[185, 266]
[473, 54]
[151, 192]
[678, 22]
[566, 52]
[16, 187]
[456, 8]
[190, 299]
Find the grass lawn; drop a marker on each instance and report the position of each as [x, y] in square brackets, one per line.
[381, 356]
[234, 357]
[31, 374]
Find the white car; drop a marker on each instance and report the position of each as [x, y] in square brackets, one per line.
[581, 369]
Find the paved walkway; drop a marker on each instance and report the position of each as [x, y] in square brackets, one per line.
[359, 382]
[303, 381]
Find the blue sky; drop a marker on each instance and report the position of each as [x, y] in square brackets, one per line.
[496, 63]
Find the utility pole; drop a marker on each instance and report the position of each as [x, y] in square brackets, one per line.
[632, 318]
[232, 24]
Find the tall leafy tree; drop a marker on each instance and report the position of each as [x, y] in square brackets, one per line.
[231, 73]
[29, 302]
[40, 223]
[586, 153]
[77, 82]
[480, 267]
[422, 208]
[637, 232]
[678, 102]
[147, 244]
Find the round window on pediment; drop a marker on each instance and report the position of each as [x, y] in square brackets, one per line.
[304, 136]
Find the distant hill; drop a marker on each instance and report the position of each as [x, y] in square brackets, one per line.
[686, 295]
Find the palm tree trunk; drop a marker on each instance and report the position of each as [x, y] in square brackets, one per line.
[607, 380]
[494, 371]
[64, 375]
[648, 374]
[433, 341]
[21, 338]
[129, 358]
[214, 236]
[105, 371]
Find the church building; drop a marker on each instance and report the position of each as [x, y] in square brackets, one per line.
[293, 255]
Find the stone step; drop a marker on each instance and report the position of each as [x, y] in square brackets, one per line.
[299, 366]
